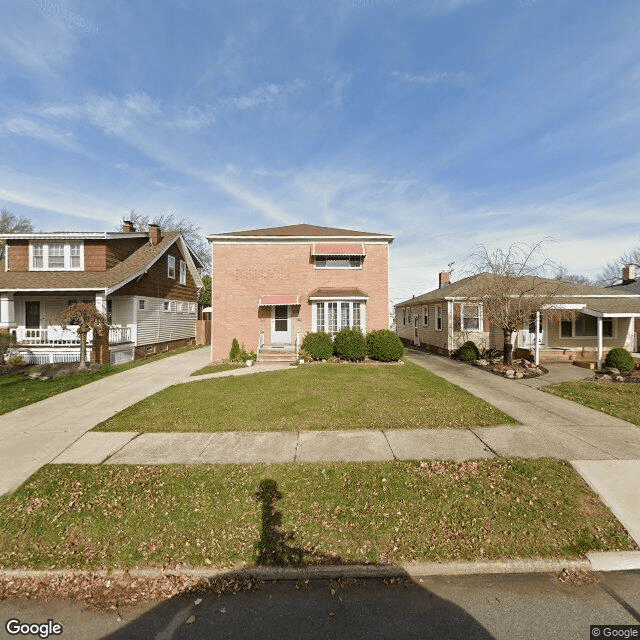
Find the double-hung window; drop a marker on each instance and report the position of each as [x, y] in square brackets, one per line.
[470, 317]
[171, 267]
[183, 272]
[56, 256]
[425, 316]
[438, 318]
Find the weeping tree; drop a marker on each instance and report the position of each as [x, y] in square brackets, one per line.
[87, 318]
[513, 286]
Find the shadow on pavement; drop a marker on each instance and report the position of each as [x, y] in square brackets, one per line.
[338, 608]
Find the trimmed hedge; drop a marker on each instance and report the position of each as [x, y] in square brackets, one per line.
[349, 344]
[469, 352]
[318, 345]
[620, 359]
[384, 345]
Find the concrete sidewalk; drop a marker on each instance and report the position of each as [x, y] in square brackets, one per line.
[34, 435]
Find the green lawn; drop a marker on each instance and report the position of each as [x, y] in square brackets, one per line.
[91, 517]
[17, 391]
[311, 397]
[216, 368]
[619, 400]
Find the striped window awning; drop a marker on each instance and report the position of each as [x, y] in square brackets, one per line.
[338, 249]
[269, 301]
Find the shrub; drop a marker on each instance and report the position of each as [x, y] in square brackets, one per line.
[469, 352]
[350, 344]
[384, 345]
[620, 359]
[16, 361]
[235, 351]
[239, 354]
[318, 345]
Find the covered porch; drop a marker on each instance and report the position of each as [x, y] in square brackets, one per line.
[581, 330]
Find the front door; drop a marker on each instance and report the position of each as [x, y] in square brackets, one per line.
[32, 315]
[280, 325]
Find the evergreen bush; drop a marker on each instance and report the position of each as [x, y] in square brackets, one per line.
[318, 345]
[384, 345]
[350, 344]
[620, 359]
[235, 350]
[469, 352]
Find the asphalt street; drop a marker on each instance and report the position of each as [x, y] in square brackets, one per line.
[504, 607]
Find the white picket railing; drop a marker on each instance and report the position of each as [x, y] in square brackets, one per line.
[59, 336]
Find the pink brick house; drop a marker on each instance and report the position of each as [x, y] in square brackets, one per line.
[270, 287]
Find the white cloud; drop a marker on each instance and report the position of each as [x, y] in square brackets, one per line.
[26, 127]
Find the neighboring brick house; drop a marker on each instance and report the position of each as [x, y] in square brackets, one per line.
[270, 287]
[147, 282]
[443, 319]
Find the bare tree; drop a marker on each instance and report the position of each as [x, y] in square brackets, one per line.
[168, 222]
[562, 273]
[11, 223]
[612, 271]
[87, 317]
[513, 286]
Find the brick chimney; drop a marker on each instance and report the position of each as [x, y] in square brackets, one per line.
[127, 226]
[154, 234]
[629, 274]
[444, 278]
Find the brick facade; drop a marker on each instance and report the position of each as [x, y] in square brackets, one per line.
[245, 271]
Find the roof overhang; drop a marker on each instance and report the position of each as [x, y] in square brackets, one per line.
[338, 249]
[611, 314]
[279, 300]
[338, 294]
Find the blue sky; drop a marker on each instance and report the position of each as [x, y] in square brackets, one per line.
[447, 123]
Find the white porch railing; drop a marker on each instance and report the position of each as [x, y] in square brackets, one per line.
[52, 336]
[260, 342]
[297, 343]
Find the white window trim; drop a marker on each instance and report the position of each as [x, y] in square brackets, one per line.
[171, 267]
[314, 317]
[142, 305]
[462, 317]
[425, 316]
[438, 318]
[183, 272]
[316, 266]
[66, 255]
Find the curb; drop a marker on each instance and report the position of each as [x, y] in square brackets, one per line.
[601, 562]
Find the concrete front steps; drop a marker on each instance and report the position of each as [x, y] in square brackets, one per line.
[273, 355]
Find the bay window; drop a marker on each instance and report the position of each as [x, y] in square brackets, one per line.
[332, 315]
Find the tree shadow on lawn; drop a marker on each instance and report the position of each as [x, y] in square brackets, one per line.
[320, 602]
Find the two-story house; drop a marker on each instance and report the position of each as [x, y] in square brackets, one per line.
[146, 282]
[272, 286]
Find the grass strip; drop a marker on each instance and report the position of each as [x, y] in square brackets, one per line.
[17, 391]
[311, 397]
[109, 516]
[619, 400]
[216, 368]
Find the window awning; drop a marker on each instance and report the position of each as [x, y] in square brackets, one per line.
[338, 294]
[269, 301]
[338, 249]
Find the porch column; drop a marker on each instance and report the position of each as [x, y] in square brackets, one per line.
[599, 323]
[101, 302]
[7, 313]
[537, 345]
